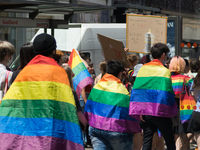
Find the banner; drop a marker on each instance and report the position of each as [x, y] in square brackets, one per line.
[142, 31]
[113, 50]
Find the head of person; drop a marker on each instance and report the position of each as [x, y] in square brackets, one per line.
[26, 54]
[44, 44]
[133, 60]
[136, 70]
[160, 51]
[177, 64]
[64, 59]
[145, 59]
[103, 68]
[88, 60]
[58, 57]
[194, 65]
[90, 68]
[69, 73]
[6, 52]
[187, 66]
[115, 68]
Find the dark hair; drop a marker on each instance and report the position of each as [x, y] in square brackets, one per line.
[114, 67]
[145, 59]
[158, 49]
[186, 62]
[6, 48]
[64, 59]
[26, 54]
[48, 53]
[194, 65]
[196, 83]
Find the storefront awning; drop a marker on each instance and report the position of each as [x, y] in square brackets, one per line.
[33, 8]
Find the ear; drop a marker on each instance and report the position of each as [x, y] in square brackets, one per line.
[119, 75]
[8, 57]
[54, 52]
[163, 56]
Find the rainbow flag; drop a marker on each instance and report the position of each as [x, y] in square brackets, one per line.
[152, 92]
[177, 83]
[38, 112]
[82, 77]
[187, 103]
[107, 107]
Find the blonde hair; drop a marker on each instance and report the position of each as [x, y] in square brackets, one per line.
[132, 58]
[69, 73]
[6, 48]
[177, 64]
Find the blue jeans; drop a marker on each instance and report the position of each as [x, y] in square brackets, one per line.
[108, 140]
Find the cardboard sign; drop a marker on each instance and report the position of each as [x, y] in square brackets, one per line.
[142, 31]
[113, 50]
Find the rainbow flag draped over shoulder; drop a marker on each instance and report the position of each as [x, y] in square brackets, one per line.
[38, 112]
[152, 92]
[187, 102]
[82, 77]
[178, 81]
[107, 107]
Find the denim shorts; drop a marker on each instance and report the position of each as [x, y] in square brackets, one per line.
[108, 140]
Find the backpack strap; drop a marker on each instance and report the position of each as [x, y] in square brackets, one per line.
[6, 82]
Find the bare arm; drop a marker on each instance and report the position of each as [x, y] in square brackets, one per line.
[82, 119]
[84, 95]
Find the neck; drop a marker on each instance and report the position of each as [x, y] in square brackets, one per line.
[161, 60]
[132, 66]
[3, 62]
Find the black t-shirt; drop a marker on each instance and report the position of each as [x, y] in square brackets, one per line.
[78, 107]
[130, 73]
[14, 75]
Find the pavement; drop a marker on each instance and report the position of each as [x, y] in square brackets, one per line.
[192, 147]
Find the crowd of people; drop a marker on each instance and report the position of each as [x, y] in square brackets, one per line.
[137, 108]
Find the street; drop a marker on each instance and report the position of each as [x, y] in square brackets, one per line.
[192, 147]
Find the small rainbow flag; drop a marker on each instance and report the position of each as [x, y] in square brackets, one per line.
[152, 92]
[82, 77]
[187, 102]
[38, 112]
[177, 83]
[107, 107]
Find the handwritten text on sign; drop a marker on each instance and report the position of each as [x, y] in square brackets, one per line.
[143, 31]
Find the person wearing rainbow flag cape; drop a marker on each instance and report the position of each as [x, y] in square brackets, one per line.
[185, 103]
[153, 98]
[107, 108]
[39, 112]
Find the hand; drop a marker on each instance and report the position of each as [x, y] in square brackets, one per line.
[126, 49]
[141, 118]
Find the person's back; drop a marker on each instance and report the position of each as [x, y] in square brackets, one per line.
[107, 110]
[42, 111]
[153, 87]
[152, 98]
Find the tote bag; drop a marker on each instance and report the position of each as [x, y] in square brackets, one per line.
[187, 105]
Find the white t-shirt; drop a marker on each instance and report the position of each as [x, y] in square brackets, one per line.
[3, 72]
